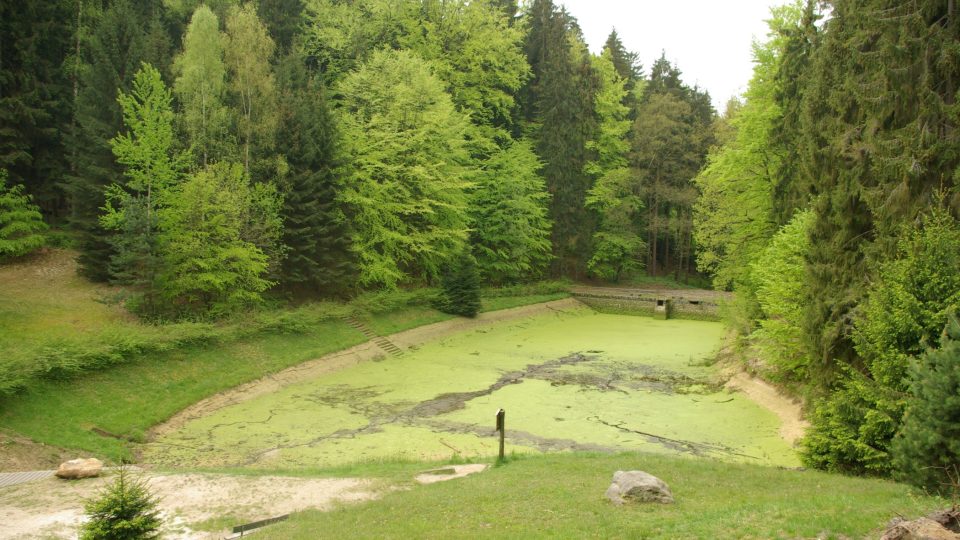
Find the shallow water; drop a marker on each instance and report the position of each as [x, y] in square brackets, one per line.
[568, 380]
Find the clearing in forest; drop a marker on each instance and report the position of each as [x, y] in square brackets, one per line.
[571, 379]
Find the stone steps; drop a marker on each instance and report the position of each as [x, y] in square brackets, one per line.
[385, 344]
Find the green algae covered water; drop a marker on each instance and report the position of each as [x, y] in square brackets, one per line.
[568, 380]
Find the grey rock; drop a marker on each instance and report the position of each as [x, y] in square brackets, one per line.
[638, 486]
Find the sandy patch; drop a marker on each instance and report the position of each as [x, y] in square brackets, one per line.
[339, 360]
[449, 473]
[792, 424]
[53, 508]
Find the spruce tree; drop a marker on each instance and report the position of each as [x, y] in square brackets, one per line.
[114, 54]
[34, 96]
[558, 104]
[926, 451]
[461, 287]
[316, 232]
[124, 510]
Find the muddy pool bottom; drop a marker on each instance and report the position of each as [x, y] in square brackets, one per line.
[571, 379]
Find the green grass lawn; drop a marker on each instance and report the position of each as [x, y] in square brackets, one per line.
[561, 496]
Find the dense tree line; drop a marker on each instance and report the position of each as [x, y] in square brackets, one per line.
[831, 210]
[205, 153]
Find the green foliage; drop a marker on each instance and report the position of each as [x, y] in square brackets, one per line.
[248, 50]
[905, 308]
[201, 86]
[477, 52]
[926, 450]
[209, 266]
[21, 225]
[733, 218]
[151, 167]
[616, 194]
[406, 169]
[125, 510]
[776, 280]
[461, 287]
[510, 228]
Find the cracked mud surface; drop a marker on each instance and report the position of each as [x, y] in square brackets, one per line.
[570, 379]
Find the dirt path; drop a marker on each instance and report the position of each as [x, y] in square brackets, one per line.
[792, 424]
[346, 358]
[192, 505]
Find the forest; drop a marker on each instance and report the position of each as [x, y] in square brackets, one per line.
[213, 156]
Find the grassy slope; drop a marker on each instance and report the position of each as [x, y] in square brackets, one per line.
[561, 496]
[45, 298]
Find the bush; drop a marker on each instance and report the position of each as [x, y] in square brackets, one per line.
[926, 451]
[125, 510]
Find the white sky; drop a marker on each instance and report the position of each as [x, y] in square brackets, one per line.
[709, 40]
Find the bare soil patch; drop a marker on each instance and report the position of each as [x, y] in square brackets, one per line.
[53, 508]
[21, 454]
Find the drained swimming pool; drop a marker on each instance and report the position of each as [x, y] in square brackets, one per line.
[571, 379]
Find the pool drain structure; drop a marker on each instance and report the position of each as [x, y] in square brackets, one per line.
[388, 346]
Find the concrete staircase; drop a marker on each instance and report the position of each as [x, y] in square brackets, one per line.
[385, 344]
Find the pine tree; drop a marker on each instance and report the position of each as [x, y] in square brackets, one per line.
[115, 52]
[21, 225]
[34, 96]
[926, 451]
[461, 287]
[124, 510]
[283, 18]
[316, 232]
[558, 103]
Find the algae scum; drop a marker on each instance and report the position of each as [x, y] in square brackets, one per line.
[569, 380]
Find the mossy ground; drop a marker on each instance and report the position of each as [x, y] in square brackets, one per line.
[569, 380]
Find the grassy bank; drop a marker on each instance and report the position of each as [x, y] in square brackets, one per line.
[561, 496]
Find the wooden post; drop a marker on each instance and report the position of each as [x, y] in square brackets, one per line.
[501, 418]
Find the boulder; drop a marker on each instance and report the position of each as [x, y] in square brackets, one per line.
[80, 468]
[918, 529]
[638, 486]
